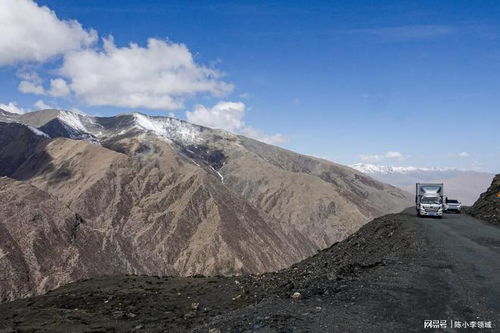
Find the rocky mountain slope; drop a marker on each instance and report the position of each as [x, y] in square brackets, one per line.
[43, 244]
[171, 198]
[463, 185]
[487, 207]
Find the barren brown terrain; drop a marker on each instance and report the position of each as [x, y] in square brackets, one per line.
[166, 197]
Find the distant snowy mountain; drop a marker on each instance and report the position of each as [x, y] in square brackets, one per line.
[464, 185]
[384, 169]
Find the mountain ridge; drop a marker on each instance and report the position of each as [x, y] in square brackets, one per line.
[172, 198]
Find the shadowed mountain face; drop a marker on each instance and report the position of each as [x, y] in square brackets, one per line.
[487, 207]
[172, 198]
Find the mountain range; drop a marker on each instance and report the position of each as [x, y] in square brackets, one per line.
[87, 196]
[464, 185]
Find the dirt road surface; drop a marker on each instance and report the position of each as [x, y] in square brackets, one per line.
[469, 251]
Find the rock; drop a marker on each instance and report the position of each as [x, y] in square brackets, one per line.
[11, 330]
[190, 314]
[487, 207]
[296, 295]
[118, 314]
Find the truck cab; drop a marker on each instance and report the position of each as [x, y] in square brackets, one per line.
[429, 199]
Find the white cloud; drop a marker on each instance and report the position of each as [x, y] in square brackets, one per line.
[12, 108]
[31, 83]
[33, 33]
[379, 157]
[223, 115]
[58, 88]
[28, 87]
[245, 95]
[158, 76]
[395, 155]
[261, 136]
[370, 158]
[462, 154]
[229, 116]
[41, 105]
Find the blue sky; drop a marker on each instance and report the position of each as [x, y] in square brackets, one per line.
[386, 82]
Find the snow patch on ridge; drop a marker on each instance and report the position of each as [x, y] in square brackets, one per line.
[75, 123]
[168, 128]
[73, 120]
[37, 131]
[219, 174]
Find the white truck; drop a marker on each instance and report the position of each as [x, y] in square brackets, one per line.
[429, 199]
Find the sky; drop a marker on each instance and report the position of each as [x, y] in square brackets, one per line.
[385, 82]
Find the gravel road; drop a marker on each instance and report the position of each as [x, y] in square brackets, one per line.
[470, 251]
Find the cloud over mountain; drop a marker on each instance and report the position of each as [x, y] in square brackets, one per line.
[229, 116]
[74, 64]
[158, 76]
[34, 33]
[395, 155]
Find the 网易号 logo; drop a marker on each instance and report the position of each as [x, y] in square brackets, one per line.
[443, 324]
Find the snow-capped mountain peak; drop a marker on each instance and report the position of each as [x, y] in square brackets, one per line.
[72, 120]
[167, 128]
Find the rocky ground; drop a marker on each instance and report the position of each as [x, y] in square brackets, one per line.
[390, 276]
[487, 207]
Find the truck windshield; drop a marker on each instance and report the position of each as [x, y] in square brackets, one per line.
[431, 200]
[451, 201]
